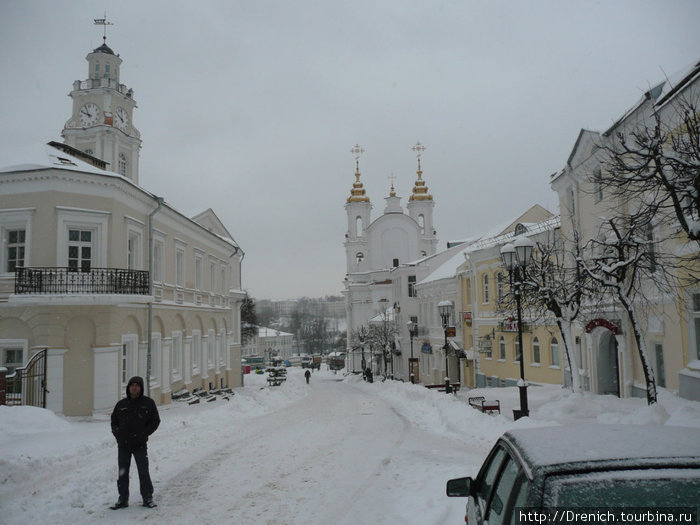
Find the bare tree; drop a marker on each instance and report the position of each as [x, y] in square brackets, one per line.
[382, 335]
[556, 283]
[622, 263]
[658, 164]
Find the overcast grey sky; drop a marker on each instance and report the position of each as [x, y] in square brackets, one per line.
[251, 107]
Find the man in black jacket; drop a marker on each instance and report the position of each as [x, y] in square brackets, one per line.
[134, 418]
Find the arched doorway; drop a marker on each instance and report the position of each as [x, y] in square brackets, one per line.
[608, 369]
[606, 356]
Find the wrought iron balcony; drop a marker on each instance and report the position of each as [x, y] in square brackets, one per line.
[78, 281]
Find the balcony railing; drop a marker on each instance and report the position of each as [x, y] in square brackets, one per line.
[71, 281]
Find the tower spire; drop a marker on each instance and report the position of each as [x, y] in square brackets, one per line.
[420, 190]
[357, 193]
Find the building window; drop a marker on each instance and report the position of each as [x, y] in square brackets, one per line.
[499, 286]
[516, 349]
[133, 256]
[15, 249]
[502, 349]
[122, 165]
[198, 272]
[395, 263]
[486, 288]
[358, 226]
[358, 257]
[97, 69]
[158, 261]
[597, 186]
[180, 266]
[12, 358]
[412, 286]
[421, 223]
[79, 250]
[223, 280]
[554, 352]
[129, 361]
[536, 351]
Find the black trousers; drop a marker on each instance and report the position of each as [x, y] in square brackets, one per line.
[124, 461]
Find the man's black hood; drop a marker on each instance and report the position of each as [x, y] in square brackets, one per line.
[136, 379]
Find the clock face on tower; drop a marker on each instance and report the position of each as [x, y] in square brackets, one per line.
[122, 119]
[89, 114]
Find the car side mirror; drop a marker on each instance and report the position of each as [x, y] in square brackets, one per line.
[459, 487]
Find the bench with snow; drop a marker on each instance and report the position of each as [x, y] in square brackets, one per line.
[485, 405]
[441, 387]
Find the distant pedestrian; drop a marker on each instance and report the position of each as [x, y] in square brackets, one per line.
[307, 375]
[134, 418]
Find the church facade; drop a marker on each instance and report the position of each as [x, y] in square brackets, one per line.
[373, 248]
[103, 278]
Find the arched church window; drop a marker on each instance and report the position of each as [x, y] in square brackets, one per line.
[520, 229]
[359, 256]
[358, 223]
[554, 351]
[421, 223]
[97, 69]
[107, 70]
[122, 165]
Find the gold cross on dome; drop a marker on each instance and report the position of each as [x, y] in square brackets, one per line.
[418, 149]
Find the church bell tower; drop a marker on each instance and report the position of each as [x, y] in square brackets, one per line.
[101, 123]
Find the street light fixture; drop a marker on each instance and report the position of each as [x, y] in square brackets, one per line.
[412, 332]
[515, 258]
[445, 309]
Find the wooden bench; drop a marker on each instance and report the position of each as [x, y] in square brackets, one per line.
[441, 387]
[485, 405]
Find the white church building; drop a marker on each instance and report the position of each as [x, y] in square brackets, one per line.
[374, 247]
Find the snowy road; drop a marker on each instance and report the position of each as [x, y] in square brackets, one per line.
[338, 451]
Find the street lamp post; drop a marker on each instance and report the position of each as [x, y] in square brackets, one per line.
[412, 332]
[361, 337]
[445, 309]
[516, 257]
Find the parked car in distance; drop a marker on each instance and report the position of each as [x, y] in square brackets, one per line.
[594, 466]
[307, 361]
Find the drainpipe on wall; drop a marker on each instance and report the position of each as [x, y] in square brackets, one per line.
[160, 201]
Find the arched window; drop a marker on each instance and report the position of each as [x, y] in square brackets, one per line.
[421, 223]
[502, 349]
[554, 351]
[486, 288]
[359, 256]
[536, 350]
[516, 349]
[358, 226]
[122, 165]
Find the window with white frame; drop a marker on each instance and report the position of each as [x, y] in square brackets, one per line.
[13, 352]
[650, 246]
[411, 285]
[502, 349]
[129, 358]
[554, 352]
[177, 355]
[82, 238]
[212, 276]
[597, 186]
[486, 288]
[133, 250]
[80, 249]
[499, 286]
[198, 271]
[536, 351]
[122, 164]
[14, 249]
[158, 250]
[15, 228]
[180, 266]
[516, 349]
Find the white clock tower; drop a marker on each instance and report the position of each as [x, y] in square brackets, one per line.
[101, 123]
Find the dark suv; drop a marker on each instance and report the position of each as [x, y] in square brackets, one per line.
[595, 466]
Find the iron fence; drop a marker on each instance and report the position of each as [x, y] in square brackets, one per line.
[27, 384]
[54, 280]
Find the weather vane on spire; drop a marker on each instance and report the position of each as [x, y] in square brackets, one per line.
[103, 22]
[418, 149]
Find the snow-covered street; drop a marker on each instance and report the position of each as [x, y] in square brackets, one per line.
[336, 451]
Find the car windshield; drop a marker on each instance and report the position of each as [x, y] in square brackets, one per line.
[668, 487]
